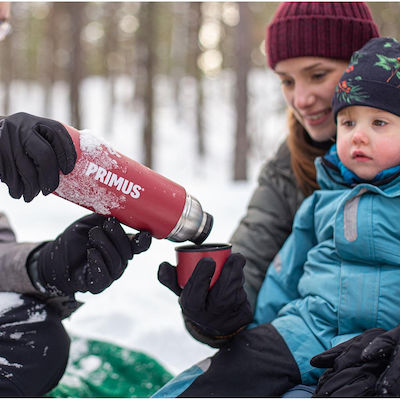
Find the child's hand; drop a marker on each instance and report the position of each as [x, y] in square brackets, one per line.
[386, 346]
[348, 374]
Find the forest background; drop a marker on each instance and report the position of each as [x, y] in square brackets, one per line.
[191, 43]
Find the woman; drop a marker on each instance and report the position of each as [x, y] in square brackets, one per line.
[308, 46]
[306, 49]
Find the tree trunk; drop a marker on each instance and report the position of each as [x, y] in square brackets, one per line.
[150, 13]
[49, 46]
[179, 46]
[6, 73]
[195, 51]
[242, 68]
[110, 43]
[76, 63]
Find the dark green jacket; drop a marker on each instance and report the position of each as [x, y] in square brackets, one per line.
[268, 222]
[263, 230]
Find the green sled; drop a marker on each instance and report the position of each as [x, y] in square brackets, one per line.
[101, 369]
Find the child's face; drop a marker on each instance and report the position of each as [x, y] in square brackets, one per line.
[368, 140]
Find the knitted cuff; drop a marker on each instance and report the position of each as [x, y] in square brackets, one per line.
[202, 336]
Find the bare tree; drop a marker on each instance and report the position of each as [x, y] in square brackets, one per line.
[148, 14]
[242, 68]
[194, 53]
[6, 73]
[179, 39]
[47, 66]
[76, 17]
[109, 45]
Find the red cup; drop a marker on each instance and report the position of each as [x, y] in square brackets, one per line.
[188, 256]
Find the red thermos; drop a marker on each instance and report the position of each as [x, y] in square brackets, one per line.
[110, 183]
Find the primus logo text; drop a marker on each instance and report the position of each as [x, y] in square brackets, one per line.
[110, 179]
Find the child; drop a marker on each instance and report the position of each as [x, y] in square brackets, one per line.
[338, 273]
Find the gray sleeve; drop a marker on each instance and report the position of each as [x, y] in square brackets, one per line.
[268, 221]
[13, 256]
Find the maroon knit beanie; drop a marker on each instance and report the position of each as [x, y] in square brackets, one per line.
[318, 29]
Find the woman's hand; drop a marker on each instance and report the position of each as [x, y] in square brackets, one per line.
[213, 315]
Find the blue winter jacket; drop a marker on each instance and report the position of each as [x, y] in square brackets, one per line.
[338, 273]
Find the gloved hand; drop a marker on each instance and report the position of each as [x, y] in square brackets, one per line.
[219, 311]
[347, 374]
[88, 256]
[386, 347]
[33, 150]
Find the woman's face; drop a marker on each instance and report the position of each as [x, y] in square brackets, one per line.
[308, 85]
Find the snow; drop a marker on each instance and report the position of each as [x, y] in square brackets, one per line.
[8, 301]
[79, 187]
[137, 311]
[4, 361]
[35, 314]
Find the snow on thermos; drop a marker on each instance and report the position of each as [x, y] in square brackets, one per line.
[110, 183]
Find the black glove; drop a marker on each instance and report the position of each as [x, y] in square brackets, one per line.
[33, 150]
[386, 347]
[88, 256]
[220, 311]
[347, 374]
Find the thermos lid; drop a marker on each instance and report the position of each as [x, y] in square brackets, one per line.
[199, 239]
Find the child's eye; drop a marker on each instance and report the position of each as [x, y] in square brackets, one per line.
[379, 122]
[347, 122]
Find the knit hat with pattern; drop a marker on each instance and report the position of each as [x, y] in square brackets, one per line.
[318, 29]
[372, 78]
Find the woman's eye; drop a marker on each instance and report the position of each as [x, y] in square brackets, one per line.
[286, 82]
[318, 75]
[379, 122]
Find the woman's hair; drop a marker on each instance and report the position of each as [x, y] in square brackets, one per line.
[303, 152]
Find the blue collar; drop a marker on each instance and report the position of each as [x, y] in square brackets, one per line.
[349, 176]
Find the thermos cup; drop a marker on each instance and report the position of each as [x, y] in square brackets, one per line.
[188, 256]
[109, 183]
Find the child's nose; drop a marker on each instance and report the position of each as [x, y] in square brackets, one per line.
[360, 137]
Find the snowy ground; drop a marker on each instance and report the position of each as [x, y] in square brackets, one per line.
[137, 311]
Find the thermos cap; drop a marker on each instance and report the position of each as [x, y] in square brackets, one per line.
[206, 229]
